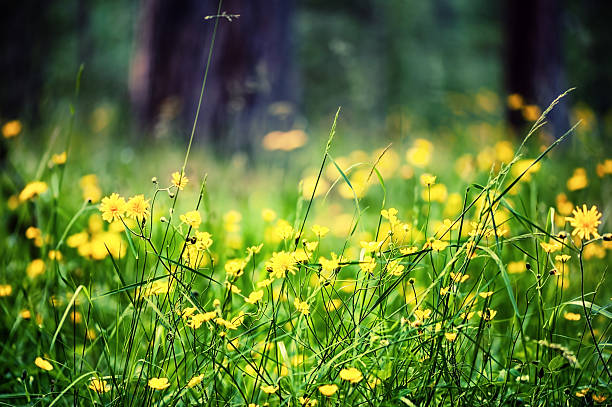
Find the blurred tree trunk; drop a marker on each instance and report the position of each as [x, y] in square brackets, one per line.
[533, 58]
[25, 42]
[251, 69]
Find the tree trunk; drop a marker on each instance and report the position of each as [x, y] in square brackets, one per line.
[533, 58]
[251, 68]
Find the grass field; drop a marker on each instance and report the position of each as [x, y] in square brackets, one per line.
[464, 268]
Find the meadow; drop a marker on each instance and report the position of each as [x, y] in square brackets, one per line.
[458, 267]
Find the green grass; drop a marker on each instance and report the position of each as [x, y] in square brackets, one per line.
[119, 305]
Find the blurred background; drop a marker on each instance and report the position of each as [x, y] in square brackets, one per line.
[395, 67]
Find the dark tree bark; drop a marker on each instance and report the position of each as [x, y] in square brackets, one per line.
[251, 69]
[25, 41]
[533, 57]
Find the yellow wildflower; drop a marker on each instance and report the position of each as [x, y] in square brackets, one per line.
[35, 268]
[137, 207]
[195, 380]
[179, 180]
[428, 180]
[571, 316]
[159, 383]
[268, 215]
[370, 246]
[488, 314]
[563, 258]
[585, 222]
[11, 129]
[578, 180]
[192, 218]
[5, 290]
[269, 389]
[281, 263]
[112, 207]
[59, 159]
[450, 336]
[439, 245]
[351, 374]
[43, 364]
[98, 385]
[328, 390]
[254, 297]
[32, 190]
[320, 231]
[301, 306]
[203, 240]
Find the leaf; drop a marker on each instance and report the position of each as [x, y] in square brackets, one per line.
[557, 363]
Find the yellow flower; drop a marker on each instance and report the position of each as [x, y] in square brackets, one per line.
[55, 255]
[235, 267]
[578, 180]
[524, 165]
[571, 316]
[488, 314]
[32, 190]
[254, 297]
[428, 180]
[439, 245]
[5, 290]
[409, 250]
[284, 141]
[395, 268]
[599, 398]
[531, 113]
[585, 222]
[268, 215]
[192, 218]
[159, 383]
[370, 246]
[351, 374]
[203, 240]
[515, 101]
[420, 154]
[35, 268]
[301, 306]
[43, 364]
[320, 231]
[11, 129]
[179, 180]
[112, 207]
[269, 389]
[563, 258]
[254, 249]
[515, 267]
[450, 336]
[368, 264]
[98, 385]
[459, 277]
[137, 207]
[604, 168]
[59, 159]
[283, 229]
[435, 193]
[281, 263]
[195, 380]
[551, 247]
[485, 294]
[422, 315]
[328, 390]
[91, 190]
[563, 205]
